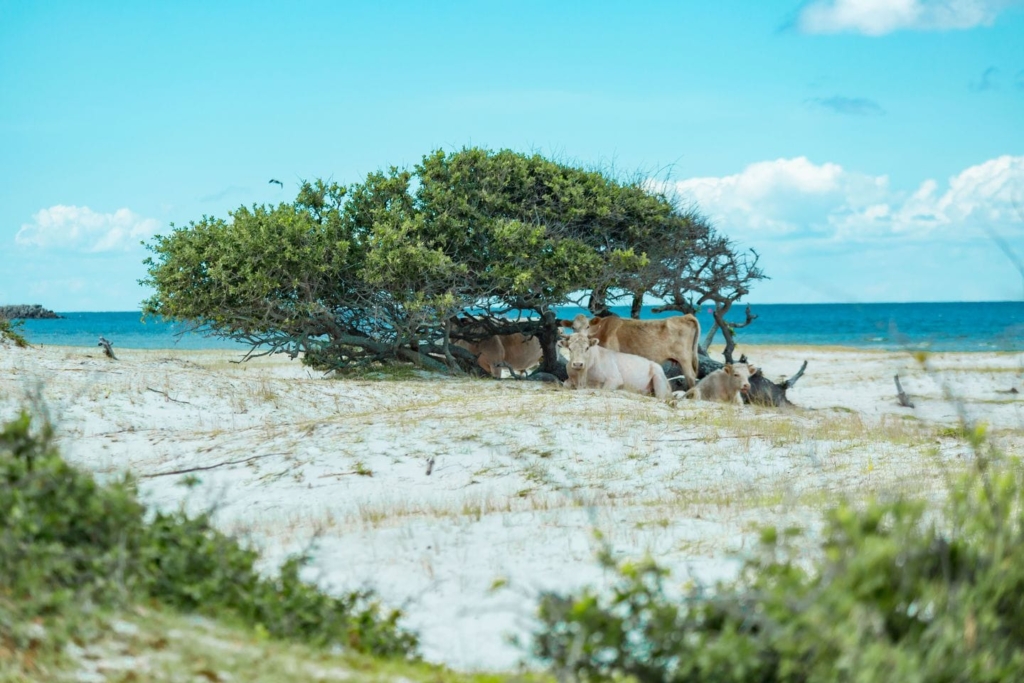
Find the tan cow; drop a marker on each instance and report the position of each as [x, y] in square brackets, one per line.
[673, 339]
[591, 365]
[726, 385]
[516, 351]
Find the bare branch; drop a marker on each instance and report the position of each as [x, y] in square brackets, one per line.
[793, 380]
[901, 395]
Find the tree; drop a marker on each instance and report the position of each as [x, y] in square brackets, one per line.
[463, 245]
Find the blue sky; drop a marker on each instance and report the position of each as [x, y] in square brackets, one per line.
[863, 147]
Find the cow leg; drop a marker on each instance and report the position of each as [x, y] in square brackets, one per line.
[659, 383]
[502, 364]
[688, 372]
[613, 381]
[488, 368]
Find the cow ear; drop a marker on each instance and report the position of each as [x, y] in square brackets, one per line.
[594, 341]
[752, 369]
[727, 368]
[563, 342]
[565, 323]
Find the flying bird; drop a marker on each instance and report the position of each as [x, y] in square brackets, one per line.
[275, 180]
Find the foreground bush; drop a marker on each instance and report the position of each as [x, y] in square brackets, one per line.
[69, 545]
[898, 594]
[10, 330]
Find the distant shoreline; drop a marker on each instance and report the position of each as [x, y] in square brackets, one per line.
[737, 308]
[966, 327]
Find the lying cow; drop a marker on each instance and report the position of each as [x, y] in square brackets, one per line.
[517, 352]
[591, 365]
[673, 339]
[726, 385]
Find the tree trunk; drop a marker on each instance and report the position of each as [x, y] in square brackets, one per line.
[548, 337]
[730, 342]
[727, 329]
[638, 303]
[598, 304]
[710, 336]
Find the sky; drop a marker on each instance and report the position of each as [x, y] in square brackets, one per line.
[868, 150]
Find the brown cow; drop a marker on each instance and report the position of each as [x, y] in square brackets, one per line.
[673, 339]
[516, 351]
[591, 365]
[726, 385]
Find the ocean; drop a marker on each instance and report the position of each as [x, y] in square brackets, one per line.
[984, 326]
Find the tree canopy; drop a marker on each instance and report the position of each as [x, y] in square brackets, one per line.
[392, 267]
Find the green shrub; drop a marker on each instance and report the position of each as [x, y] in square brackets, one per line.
[10, 329]
[897, 594]
[68, 543]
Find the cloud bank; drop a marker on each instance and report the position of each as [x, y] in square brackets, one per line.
[79, 228]
[987, 81]
[851, 106]
[879, 17]
[796, 199]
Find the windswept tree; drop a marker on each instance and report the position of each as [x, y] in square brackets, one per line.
[464, 245]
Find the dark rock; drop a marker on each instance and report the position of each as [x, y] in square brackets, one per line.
[26, 311]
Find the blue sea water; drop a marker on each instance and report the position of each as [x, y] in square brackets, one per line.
[984, 326]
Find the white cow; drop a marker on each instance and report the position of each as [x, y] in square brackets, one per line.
[726, 385]
[591, 365]
[673, 338]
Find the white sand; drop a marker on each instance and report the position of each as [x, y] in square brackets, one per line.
[524, 472]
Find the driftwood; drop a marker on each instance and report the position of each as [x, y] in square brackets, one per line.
[901, 395]
[166, 395]
[107, 345]
[203, 468]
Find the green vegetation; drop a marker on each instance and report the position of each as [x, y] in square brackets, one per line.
[397, 266]
[10, 330]
[896, 593]
[72, 549]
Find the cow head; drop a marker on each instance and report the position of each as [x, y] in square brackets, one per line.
[739, 376]
[578, 345]
[578, 324]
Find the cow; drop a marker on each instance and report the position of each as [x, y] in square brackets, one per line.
[516, 351]
[673, 339]
[591, 365]
[726, 385]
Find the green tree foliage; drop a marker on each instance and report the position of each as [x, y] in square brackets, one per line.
[379, 270]
[897, 594]
[69, 545]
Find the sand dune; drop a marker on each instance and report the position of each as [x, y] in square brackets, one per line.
[523, 472]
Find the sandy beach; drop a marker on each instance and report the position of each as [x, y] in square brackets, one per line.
[523, 473]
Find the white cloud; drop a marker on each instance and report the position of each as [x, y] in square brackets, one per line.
[798, 199]
[79, 228]
[879, 17]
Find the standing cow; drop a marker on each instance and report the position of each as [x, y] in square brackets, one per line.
[591, 365]
[673, 339]
[727, 384]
